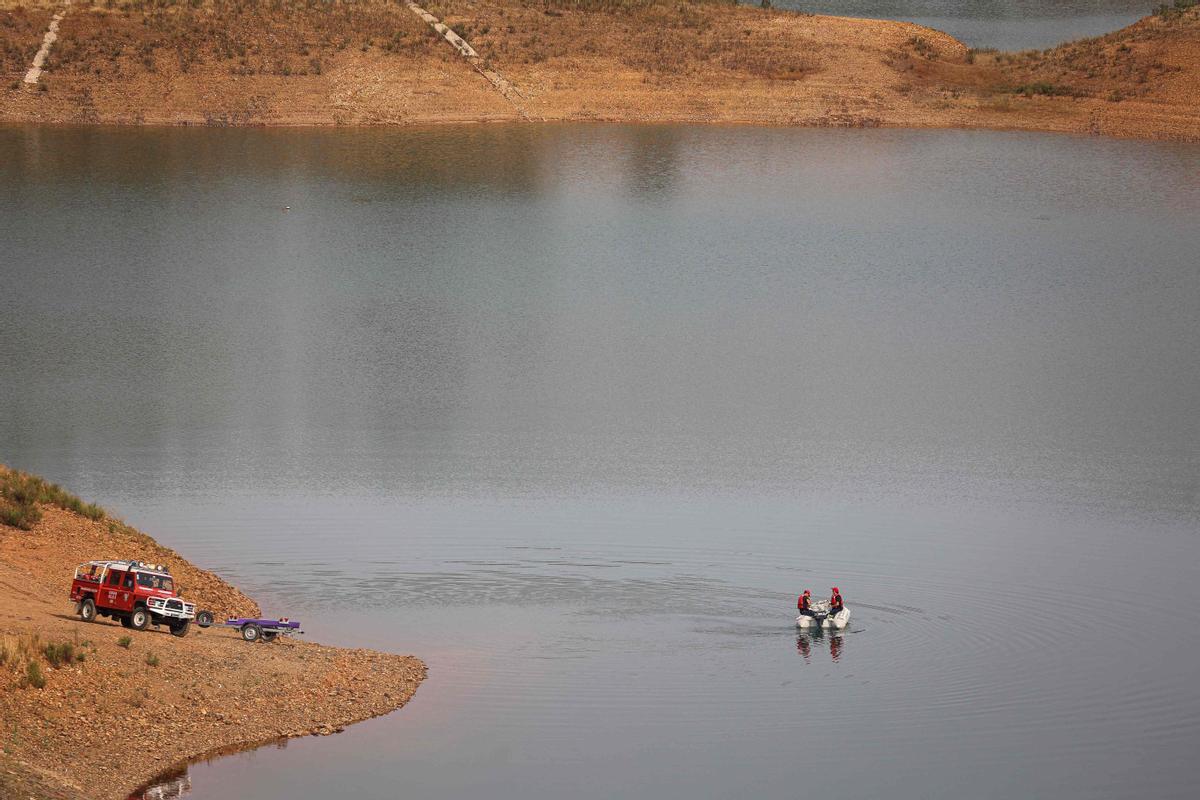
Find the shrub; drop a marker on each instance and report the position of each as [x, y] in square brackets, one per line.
[59, 654]
[125, 641]
[23, 517]
[20, 494]
[922, 46]
[1046, 89]
[151, 660]
[34, 676]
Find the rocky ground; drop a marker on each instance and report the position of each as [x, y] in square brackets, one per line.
[66, 685]
[220, 62]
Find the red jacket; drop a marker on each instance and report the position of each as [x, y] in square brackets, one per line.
[802, 603]
[835, 603]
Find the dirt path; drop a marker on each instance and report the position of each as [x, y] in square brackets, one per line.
[464, 49]
[39, 60]
[96, 710]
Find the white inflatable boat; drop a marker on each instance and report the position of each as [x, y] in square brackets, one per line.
[822, 618]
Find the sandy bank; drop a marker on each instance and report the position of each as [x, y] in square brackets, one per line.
[113, 717]
[375, 62]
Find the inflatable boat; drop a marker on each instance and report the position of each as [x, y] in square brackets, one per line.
[822, 618]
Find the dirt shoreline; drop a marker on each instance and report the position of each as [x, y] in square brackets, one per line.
[375, 62]
[124, 707]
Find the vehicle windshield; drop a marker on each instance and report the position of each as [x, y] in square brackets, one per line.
[149, 581]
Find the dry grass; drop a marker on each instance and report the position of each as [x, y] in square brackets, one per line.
[241, 37]
[22, 493]
[22, 657]
[1130, 63]
[696, 39]
[17, 649]
[19, 32]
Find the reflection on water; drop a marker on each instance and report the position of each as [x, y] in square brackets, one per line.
[177, 781]
[166, 787]
[817, 638]
[577, 428]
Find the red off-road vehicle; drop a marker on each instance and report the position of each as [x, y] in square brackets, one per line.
[137, 594]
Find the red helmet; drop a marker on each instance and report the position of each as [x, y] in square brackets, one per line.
[807, 593]
[835, 590]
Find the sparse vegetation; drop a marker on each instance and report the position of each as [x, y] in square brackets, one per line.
[21, 494]
[922, 47]
[1046, 89]
[151, 660]
[59, 654]
[23, 654]
[15, 649]
[1175, 9]
[975, 52]
[125, 641]
[626, 6]
[33, 675]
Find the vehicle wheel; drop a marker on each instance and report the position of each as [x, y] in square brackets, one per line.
[204, 619]
[269, 636]
[251, 632]
[139, 620]
[87, 610]
[180, 628]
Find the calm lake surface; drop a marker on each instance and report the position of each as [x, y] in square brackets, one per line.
[1003, 24]
[574, 412]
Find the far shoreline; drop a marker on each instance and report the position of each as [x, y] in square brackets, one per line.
[433, 126]
[591, 61]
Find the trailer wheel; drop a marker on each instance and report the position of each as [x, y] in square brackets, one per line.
[180, 628]
[204, 619]
[139, 620]
[251, 632]
[87, 610]
[269, 636]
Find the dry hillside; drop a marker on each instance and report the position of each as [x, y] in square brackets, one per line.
[222, 62]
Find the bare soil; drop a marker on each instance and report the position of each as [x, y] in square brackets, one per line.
[96, 710]
[294, 62]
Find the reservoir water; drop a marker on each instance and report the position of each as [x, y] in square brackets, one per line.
[574, 412]
[1002, 24]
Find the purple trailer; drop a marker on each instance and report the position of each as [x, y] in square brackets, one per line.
[254, 629]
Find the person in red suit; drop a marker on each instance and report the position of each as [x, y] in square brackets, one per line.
[803, 605]
[835, 602]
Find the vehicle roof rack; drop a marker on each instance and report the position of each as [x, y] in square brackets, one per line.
[160, 569]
